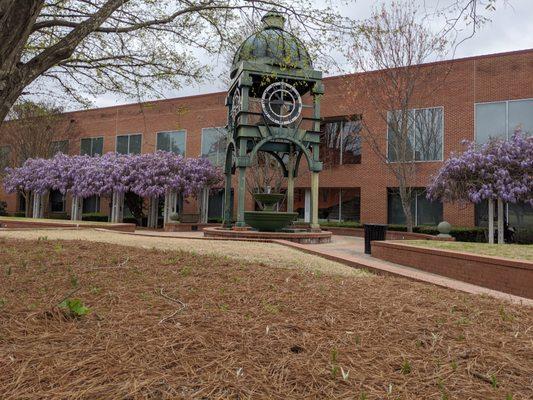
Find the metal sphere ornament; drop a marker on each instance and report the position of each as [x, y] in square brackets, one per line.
[281, 103]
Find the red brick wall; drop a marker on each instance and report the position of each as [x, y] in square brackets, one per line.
[509, 276]
[477, 79]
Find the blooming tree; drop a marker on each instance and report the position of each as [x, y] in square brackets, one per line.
[149, 175]
[500, 170]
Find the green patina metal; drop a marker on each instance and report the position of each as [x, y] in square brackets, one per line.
[273, 106]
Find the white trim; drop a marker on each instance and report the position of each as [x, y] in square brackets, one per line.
[184, 131]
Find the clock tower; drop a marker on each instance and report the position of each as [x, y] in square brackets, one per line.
[273, 106]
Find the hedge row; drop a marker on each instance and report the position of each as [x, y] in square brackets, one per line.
[460, 234]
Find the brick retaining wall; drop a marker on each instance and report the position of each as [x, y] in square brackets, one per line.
[505, 275]
[29, 224]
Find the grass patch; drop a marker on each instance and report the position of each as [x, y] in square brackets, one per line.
[513, 251]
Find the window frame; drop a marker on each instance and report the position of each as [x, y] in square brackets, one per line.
[92, 138]
[506, 114]
[417, 191]
[441, 159]
[129, 135]
[171, 131]
[343, 120]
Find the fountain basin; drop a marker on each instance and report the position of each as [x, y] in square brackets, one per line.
[269, 221]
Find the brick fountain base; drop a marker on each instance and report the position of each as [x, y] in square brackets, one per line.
[305, 237]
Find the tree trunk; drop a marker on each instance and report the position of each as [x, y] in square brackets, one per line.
[405, 198]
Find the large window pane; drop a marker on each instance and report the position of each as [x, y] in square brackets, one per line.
[98, 146]
[520, 216]
[340, 142]
[350, 204]
[521, 116]
[428, 134]
[91, 204]
[427, 212]
[173, 141]
[92, 146]
[129, 144]
[135, 144]
[400, 136]
[214, 145]
[330, 144]
[85, 147]
[328, 203]
[122, 144]
[395, 214]
[490, 121]
[351, 142]
[57, 201]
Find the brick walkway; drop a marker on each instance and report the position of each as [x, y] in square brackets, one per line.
[349, 251]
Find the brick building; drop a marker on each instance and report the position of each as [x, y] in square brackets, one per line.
[481, 96]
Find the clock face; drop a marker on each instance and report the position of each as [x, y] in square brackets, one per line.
[235, 107]
[281, 103]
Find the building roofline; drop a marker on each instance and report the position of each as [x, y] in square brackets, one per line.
[195, 96]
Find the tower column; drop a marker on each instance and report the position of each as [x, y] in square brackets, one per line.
[227, 201]
[241, 194]
[314, 201]
[290, 183]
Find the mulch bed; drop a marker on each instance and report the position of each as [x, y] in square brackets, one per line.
[171, 325]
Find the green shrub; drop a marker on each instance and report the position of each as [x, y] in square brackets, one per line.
[96, 217]
[341, 224]
[523, 236]
[59, 215]
[20, 214]
[130, 220]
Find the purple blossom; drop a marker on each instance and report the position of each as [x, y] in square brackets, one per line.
[498, 169]
[147, 175]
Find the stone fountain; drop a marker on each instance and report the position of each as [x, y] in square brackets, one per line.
[268, 219]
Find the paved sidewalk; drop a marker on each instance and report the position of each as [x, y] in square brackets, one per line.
[350, 251]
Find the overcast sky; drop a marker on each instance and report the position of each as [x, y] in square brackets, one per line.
[510, 28]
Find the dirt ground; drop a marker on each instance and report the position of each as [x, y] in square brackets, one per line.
[178, 325]
[270, 254]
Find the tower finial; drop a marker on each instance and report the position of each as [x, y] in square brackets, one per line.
[273, 19]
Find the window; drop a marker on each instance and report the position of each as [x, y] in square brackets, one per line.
[91, 204]
[214, 145]
[5, 153]
[339, 204]
[173, 141]
[518, 216]
[59, 146]
[340, 142]
[501, 119]
[92, 146]
[57, 201]
[129, 144]
[421, 139]
[424, 211]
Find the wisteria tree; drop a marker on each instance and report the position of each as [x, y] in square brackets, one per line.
[500, 170]
[147, 175]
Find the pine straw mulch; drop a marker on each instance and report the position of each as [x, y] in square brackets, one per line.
[174, 325]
